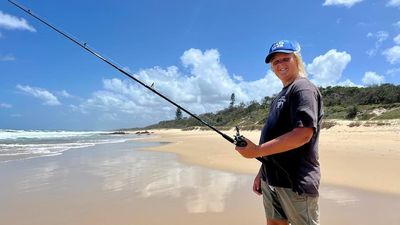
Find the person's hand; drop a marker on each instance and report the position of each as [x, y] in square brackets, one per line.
[250, 151]
[257, 185]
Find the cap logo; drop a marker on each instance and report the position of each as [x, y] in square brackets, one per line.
[278, 44]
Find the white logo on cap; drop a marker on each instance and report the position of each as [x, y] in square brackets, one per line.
[278, 44]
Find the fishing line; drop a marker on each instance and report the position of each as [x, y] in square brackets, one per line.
[237, 139]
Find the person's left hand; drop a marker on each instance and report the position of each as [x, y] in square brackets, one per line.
[250, 151]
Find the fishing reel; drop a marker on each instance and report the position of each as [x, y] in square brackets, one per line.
[240, 141]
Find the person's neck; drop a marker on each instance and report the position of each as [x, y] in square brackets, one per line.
[288, 82]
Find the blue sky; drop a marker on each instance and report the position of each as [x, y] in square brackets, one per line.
[196, 52]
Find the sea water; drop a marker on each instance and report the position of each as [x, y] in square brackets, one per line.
[25, 144]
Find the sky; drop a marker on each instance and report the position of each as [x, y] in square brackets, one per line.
[195, 52]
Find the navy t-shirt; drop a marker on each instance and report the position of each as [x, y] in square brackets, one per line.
[297, 105]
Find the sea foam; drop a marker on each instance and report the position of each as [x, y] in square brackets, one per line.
[23, 144]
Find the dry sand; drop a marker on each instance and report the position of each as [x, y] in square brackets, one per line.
[364, 157]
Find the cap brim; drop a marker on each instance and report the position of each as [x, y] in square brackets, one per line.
[269, 56]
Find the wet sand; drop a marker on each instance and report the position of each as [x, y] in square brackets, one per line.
[122, 184]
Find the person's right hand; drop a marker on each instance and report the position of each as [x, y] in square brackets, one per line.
[257, 184]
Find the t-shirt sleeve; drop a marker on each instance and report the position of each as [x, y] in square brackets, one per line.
[304, 108]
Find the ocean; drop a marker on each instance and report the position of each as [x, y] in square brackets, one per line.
[25, 144]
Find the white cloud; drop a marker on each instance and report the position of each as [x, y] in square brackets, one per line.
[255, 90]
[371, 52]
[327, 69]
[7, 58]
[5, 105]
[205, 87]
[64, 94]
[397, 24]
[42, 94]
[14, 23]
[238, 78]
[347, 83]
[392, 54]
[397, 39]
[109, 117]
[393, 71]
[372, 78]
[394, 3]
[347, 3]
[380, 37]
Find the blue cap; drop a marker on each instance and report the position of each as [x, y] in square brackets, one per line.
[284, 46]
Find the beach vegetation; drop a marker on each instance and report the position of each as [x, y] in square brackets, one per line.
[351, 112]
[326, 124]
[390, 114]
[354, 124]
[233, 99]
[178, 114]
[351, 103]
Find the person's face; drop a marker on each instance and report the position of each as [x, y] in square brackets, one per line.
[285, 67]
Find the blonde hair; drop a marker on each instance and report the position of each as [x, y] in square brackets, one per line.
[300, 64]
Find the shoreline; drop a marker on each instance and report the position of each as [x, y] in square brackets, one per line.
[362, 157]
[122, 183]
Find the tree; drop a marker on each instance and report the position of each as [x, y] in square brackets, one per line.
[178, 114]
[266, 102]
[233, 99]
[351, 112]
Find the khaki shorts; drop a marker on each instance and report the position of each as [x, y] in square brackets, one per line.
[284, 204]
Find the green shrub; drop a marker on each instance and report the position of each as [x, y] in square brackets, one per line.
[351, 112]
[328, 124]
[354, 124]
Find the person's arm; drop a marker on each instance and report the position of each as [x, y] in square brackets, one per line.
[286, 142]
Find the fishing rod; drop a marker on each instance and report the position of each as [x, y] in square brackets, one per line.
[237, 139]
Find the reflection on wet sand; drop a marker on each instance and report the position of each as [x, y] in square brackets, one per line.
[39, 177]
[204, 190]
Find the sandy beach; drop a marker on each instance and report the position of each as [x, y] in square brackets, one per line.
[122, 184]
[365, 157]
[195, 177]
